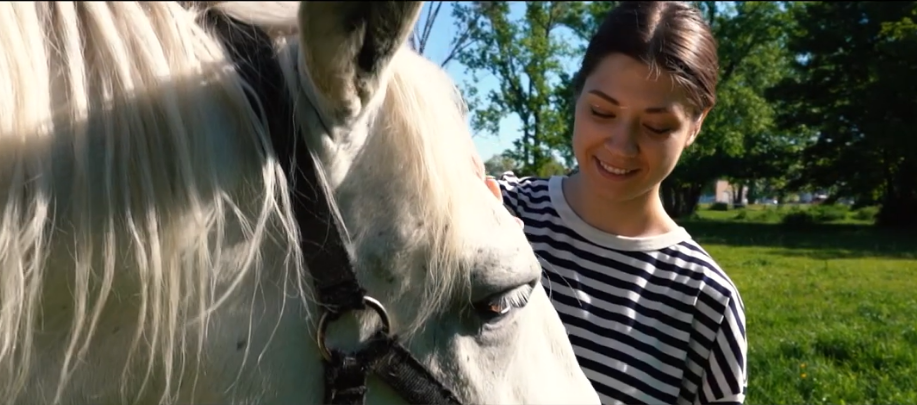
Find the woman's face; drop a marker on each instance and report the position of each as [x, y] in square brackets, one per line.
[630, 128]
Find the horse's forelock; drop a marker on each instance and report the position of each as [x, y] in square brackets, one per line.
[427, 124]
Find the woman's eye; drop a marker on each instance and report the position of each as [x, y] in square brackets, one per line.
[601, 114]
[657, 131]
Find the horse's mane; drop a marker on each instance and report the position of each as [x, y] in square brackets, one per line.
[112, 119]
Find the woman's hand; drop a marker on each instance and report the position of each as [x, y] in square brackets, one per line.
[494, 187]
[481, 173]
[489, 181]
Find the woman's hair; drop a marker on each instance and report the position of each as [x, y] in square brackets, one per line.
[667, 35]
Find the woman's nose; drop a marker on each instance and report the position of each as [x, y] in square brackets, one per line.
[623, 140]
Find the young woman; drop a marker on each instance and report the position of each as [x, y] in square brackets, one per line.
[652, 317]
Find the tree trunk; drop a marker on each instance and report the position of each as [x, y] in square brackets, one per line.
[898, 205]
[898, 214]
[899, 200]
[738, 190]
[680, 200]
[752, 191]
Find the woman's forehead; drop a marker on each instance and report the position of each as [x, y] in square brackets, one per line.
[629, 83]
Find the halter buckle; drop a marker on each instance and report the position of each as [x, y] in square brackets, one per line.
[329, 316]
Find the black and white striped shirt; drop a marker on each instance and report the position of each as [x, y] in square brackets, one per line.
[652, 320]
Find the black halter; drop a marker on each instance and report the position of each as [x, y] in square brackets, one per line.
[326, 257]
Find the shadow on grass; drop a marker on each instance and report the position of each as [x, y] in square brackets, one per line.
[823, 241]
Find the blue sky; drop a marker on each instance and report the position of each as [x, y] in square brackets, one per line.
[436, 50]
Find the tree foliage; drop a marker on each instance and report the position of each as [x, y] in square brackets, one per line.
[739, 140]
[855, 87]
[420, 37]
[499, 164]
[524, 55]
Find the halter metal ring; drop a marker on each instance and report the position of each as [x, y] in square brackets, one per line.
[323, 324]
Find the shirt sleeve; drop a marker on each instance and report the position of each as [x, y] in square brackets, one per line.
[508, 187]
[725, 378]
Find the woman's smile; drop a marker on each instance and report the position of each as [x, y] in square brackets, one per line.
[613, 173]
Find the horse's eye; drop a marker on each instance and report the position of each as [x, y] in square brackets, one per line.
[496, 307]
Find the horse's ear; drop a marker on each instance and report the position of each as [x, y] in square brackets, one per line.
[347, 46]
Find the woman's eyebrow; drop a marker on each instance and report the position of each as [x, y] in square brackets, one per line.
[610, 99]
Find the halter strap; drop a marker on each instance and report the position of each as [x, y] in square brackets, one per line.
[325, 254]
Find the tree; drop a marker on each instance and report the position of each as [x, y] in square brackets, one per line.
[739, 139]
[420, 37]
[525, 56]
[854, 87]
[550, 168]
[499, 164]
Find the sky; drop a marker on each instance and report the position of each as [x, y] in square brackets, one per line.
[436, 50]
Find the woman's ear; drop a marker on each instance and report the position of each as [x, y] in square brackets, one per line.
[696, 126]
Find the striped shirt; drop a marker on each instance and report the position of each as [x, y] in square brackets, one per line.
[652, 320]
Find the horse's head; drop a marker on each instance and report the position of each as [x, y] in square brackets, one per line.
[430, 241]
[147, 246]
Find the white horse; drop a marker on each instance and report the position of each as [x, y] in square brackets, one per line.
[148, 253]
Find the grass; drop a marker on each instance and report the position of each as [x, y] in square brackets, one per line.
[831, 307]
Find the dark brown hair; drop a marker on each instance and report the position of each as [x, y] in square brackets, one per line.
[669, 35]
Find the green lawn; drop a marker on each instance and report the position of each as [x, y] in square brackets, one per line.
[831, 308]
